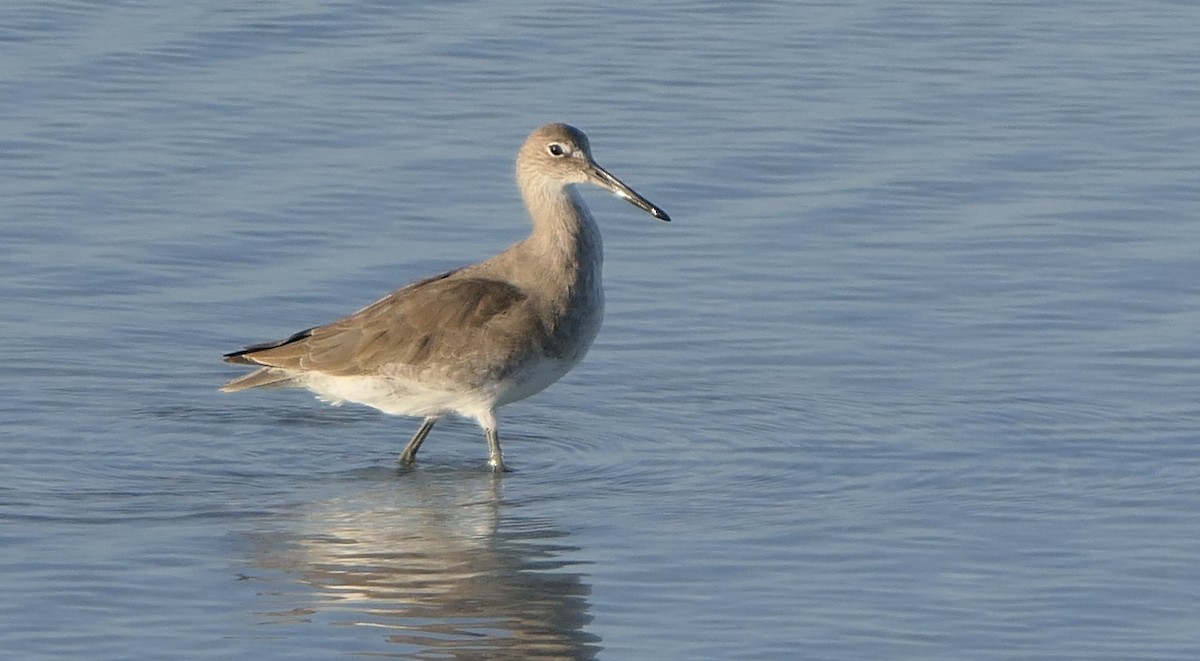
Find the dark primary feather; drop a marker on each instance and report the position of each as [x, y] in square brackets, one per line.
[241, 356]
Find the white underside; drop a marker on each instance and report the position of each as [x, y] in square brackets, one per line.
[399, 396]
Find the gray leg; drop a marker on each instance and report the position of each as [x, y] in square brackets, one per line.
[495, 459]
[410, 451]
[487, 420]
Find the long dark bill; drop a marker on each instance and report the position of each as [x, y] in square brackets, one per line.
[604, 179]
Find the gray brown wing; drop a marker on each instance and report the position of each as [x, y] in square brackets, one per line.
[445, 320]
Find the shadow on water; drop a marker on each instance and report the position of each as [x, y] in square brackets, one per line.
[430, 561]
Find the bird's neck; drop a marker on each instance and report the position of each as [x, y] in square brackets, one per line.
[565, 241]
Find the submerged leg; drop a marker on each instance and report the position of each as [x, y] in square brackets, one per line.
[488, 422]
[495, 459]
[410, 451]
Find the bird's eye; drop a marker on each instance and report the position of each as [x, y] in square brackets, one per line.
[556, 149]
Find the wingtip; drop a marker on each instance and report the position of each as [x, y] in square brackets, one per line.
[237, 358]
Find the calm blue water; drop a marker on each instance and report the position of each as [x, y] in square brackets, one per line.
[913, 374]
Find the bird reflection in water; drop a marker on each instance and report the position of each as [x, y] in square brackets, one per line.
[430, 561]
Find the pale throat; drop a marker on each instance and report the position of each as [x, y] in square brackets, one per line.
[566, 238]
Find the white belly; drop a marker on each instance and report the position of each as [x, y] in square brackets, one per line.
[417, 397]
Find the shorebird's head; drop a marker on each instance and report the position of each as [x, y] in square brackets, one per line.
[559, 155]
